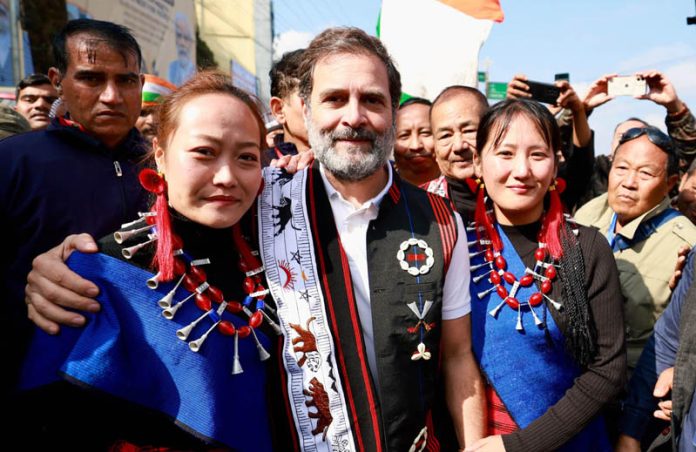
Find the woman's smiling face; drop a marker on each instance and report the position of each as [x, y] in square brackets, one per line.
[517, 172]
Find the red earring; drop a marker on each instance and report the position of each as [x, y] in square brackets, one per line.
[555, 221]
[473, 184]
[154, 182]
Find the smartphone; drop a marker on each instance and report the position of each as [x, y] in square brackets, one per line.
[543, 92]
[562, 76]
[626, 85]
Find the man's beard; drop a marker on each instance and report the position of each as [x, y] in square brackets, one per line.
[354, 164]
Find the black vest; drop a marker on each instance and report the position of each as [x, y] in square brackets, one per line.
[388, 414]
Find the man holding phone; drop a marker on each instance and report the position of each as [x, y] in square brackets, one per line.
[680, 122]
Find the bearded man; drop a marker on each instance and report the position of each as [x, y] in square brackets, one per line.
[383, 265]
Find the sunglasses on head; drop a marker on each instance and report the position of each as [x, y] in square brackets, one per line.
[655, 135]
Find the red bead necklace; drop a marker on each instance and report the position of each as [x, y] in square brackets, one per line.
[210, 299]
[545, 272]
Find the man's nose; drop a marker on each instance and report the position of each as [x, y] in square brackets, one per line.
[42, 104]
[414, 142]
[630, 180]
[354, 115]
[459, 143]
[111, 94]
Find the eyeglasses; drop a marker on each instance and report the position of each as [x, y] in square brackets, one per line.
[655, 135]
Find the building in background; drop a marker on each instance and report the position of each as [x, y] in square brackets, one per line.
[15, 53]
[240, 34]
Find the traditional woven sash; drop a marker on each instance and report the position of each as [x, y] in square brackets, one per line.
[130, 350]
[530, 369]
[315, 391]
[437, 186]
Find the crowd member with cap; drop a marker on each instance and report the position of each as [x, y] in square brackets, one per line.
[413, 149]
[286, 107]
[11, 122]
[79, 174]
[154, 90]
[35, 95]
[643, 231]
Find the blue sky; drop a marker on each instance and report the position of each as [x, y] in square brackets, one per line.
[585, 38]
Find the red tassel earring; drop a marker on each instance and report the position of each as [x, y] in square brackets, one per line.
[482, 218]
[472, 183]
[163, 260]
[554, 221]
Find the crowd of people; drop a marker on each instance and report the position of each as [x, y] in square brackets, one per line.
[436, 274]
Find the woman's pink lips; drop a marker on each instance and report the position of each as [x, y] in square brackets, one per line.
[520, 188]
[222, 198]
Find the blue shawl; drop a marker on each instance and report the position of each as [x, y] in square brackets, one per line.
[131, 351]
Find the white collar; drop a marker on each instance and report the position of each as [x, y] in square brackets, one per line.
[334, 194]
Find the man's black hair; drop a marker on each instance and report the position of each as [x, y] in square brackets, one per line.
[634, 119]
[284, 73]
[415, 100]
[115, 36]
[31, 80]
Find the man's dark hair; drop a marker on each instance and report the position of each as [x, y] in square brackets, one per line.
[31, 80]
[415, 100]
[115, 36]
[632, 118]
[352, 41]
[285, 75]
[452, 91]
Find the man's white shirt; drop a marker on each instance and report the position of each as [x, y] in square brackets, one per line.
[352, 224]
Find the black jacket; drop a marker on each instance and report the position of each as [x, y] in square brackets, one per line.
[53, 183]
